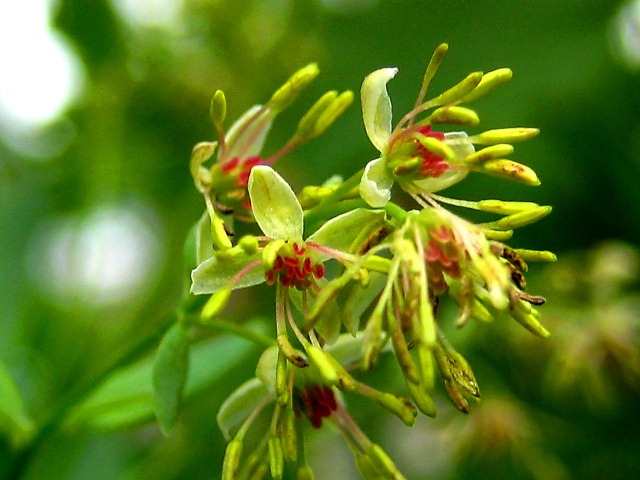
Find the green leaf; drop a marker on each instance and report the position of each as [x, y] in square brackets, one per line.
[216, 273]
[170, 370]
[126, 400]
[239, 405]
[376, 106]
[344, 230]
[14, 420]
[275, 206]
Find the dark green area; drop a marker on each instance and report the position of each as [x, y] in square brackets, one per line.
[146, 104]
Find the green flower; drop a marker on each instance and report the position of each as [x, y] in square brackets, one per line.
[423, 160]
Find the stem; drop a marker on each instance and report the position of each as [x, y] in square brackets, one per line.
[239, 331]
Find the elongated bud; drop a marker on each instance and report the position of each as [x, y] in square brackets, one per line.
[523, 218]
[505, 208]
[372, 337]
[294, 356]
[219, 235]
[499, 235]
[422, 399]
[436, 59]
[505, 135]
[489, 153]
[453, 115]
[365, 466]
[304, 472]
[510, 170]
[287, 93]
[231, 459]
[318, 359]
[249, 244]
[400, 407]
[458, 91]
[276, 457]
[288, 434]
[383, 463]
[438, 147]
[536, 255]
[282, 390]
[270, 252]
[307, 124]
[218, 108]
[337, 108]
[490, 81]
[215, 304]
[527, 316]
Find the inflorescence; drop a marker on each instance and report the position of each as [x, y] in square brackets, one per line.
[392, 267]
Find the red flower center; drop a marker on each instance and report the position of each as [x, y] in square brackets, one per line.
[432, 165]
[295, 269]
[317, 402]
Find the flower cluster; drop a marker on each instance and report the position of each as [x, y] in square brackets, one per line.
[356, 276]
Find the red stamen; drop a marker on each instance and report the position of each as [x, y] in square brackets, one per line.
[230, 165]
[318, 271]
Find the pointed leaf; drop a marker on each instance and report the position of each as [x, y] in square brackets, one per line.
[275, 206]
[239, 405]
[214, 274]
[376, 106]
[376, 183]
[170, 371]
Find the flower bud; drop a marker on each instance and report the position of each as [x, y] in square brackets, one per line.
[276, 457]
[270, 252]
[453, 115]
[288, 434]
[438, 147]
[318, 359]
[215, 304]
[249, 244]
[490, 81]
[505, 135]
[307, 124]
[505, 208]
[218, 108]
[422, 399]
[294, 356]
[382, 462]
[288, 93]
[523, 218]
[489, 153]
[231, 459]
[329, 116]
[536, 255]
[399, 406]
[219, 235]
[458, 91]
[509, 170]
[304, 472]
[434, 63]
[527, 316]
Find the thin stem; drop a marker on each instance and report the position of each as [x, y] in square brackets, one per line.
[239, 331]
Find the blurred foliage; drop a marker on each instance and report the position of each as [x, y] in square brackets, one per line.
[564, 408]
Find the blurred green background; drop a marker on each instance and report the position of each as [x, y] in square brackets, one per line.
[96, 200]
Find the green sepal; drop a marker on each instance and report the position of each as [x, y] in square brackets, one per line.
[237, 407]
[275, 206]
[216, 273]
